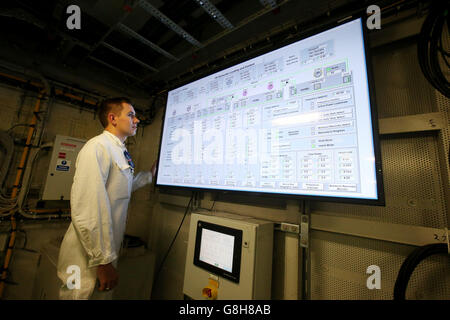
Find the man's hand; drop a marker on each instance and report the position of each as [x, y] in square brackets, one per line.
[107, 276]
[153, 170]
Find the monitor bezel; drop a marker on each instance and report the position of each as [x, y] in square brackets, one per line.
[235, 273]
[374, 118]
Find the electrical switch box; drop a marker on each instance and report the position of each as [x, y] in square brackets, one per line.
[229, 257]
[62, 168]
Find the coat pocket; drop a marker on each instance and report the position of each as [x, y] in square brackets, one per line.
[121, 180]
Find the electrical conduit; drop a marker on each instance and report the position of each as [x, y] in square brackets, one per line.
[15, 191]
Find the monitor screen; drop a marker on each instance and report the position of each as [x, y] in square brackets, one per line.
[298, 121]
[218, 250]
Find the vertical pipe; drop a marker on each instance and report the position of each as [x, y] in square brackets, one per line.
[19, 175]
[305, 248]
[308, 251]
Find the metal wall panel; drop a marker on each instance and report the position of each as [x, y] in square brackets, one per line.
[416, 174]
[340, 262]
[412, 176]
[401, 88]
[412, 185]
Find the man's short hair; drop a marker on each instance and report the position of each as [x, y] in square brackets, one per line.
[111, 105]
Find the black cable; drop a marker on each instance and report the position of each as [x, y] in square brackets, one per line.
[411, 262]
[175, 237]
[445, 60]
[429, 46]
[27, 187]
[18, 125]
[214, 202]
[434, 61]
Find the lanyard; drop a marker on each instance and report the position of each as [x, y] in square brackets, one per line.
[128, 157]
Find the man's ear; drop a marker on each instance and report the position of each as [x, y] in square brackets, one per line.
[112, 119]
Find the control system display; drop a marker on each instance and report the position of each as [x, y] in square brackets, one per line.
[297, 120]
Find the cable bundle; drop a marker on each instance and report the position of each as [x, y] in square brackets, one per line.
[411, 262]
[429, 46]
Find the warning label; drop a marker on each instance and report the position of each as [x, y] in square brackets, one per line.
[62, 165]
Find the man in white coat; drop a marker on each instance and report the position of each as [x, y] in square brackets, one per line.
[102, 185]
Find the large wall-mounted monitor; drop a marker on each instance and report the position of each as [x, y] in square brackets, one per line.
[297, 121]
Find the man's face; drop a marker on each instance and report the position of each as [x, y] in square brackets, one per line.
[127, 121]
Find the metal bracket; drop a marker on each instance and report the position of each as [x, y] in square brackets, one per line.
[290, 227]
[145, 41]
[304, 231]
[126, 55]
[36, 114]
[215, 13]
[169, 23]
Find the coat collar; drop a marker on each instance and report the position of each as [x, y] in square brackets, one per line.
[114, 138]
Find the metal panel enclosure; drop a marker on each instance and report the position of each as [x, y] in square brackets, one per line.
[62, 168]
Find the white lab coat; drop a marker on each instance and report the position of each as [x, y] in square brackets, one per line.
[99, 198]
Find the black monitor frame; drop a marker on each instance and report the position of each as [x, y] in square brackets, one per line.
[235, 273]
[374, 118]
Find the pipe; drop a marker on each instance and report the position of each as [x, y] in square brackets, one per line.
[15, 190]
[42, 86]
[59, 92]
[8, 144]
[27, 174]
[33, 213]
